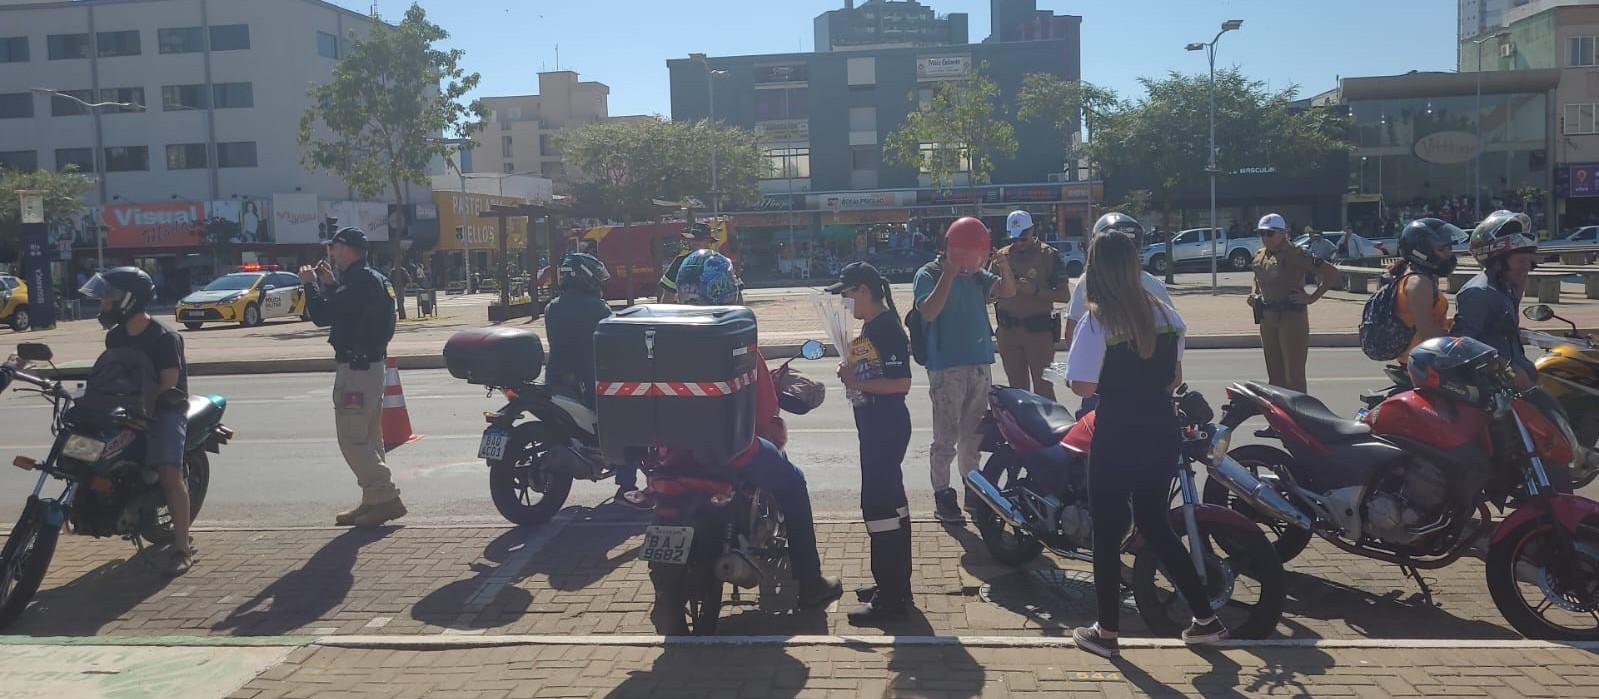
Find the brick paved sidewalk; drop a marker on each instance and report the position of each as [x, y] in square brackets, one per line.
[578, 577]
[932, 672]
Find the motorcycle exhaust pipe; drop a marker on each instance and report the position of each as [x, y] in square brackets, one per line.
[1256, 492]
[735, 567]
[994, 499]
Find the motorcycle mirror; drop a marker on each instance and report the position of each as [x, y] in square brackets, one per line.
[34, 351]
[813, 349]
[1539, 312]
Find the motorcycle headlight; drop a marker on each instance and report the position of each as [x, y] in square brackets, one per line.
[1220, 444]
[83, 448]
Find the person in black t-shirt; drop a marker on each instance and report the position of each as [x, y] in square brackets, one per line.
[876, 374]
[124, 293]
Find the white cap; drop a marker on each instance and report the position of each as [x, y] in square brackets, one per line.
[1272, 222]
[1017, 222]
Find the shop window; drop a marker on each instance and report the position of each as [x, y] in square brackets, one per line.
[1580, 51]
[1579, 119]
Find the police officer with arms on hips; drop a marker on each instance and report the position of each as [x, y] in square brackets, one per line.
[1027, 325]
[358, 303]
[1280, 301]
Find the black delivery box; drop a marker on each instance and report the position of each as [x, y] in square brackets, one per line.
[674, 376]
[499, 357]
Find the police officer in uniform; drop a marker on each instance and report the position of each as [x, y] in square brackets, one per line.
[358, 303]
[1027, 324]
[1280, 301]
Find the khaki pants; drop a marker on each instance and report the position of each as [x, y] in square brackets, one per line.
[1285, 336]
[960, 395]
[1025, 355]
[358, 419]
[399, 301]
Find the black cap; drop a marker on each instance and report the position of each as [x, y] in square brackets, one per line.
[698, 231]
[349, 235]
[855, 274]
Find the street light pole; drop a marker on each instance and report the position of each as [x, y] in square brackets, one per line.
[1210, 167]
[710, 83]
[98, 158]
[1476, 158]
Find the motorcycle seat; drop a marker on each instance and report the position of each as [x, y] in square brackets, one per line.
[1312, 414]
[1041, 419]
[581, 414]
[203, 411]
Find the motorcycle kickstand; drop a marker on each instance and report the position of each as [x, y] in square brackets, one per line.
[1413, 574]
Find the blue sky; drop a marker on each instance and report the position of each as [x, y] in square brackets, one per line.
[625, 43]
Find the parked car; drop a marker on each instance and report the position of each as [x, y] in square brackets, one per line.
[1586, 235]
[1194, 246]
[14, 303]
[1364, 247]
[900, 264]
[246, 298]
[1073, 253]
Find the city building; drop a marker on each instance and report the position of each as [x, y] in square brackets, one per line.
[212, 143]
[1021, 20]
[521, 135]
[1478, 16]
[879, 24]
[1559, 37]
[822, 118]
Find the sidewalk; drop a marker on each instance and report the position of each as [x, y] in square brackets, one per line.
[786, 319]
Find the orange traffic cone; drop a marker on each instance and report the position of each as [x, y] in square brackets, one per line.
[396, 419]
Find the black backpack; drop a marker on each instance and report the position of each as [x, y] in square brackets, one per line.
[917, 328]
[121, 378]
[1383, 336]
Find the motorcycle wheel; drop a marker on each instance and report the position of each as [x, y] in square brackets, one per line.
[1564, 590]
[24, 560]
[1008, 545]
[1587, 431]
[1289, 540]
[156, 527]
[523, 491]
[1243, 578]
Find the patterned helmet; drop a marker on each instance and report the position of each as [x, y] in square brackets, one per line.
[706, 279]
[1502, 233]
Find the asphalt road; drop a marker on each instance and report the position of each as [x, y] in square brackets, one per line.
[284, 468]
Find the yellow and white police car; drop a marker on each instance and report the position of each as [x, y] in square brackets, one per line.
[14, 303]
[247, 298]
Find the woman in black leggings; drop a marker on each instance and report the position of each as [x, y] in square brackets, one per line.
[876, 373]
[1129, 351]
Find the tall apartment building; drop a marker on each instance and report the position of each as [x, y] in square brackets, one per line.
[521, 135]
[887, 24]
[1478, 16]
[1021, 20]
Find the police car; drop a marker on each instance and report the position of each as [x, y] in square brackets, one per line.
[14, 303]
[247, 297]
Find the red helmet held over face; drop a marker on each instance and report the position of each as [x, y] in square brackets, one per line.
[968, 242]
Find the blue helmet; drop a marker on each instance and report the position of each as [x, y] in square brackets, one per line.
[706, 279]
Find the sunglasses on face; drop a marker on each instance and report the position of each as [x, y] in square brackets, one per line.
[1269, 232]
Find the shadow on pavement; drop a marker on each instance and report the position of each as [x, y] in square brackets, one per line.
[1392, 614]
[305, 594]
[96, 598]
[944, 670]
[459, 605]
[1282, 673]
[693, 671]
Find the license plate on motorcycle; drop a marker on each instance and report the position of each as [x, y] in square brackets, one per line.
[664, 544]
[493, 445]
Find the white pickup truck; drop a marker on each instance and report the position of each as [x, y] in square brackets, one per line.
[1193, 246]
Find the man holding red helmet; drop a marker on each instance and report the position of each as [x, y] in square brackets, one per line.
[952, 294]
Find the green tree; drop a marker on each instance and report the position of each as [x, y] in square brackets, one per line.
[391, 98]
[962, 128]
[1066, 104]
[62, 200]
[1165, 133]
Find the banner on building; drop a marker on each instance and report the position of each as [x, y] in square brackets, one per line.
[372, 217]
[1583, 180]
[461, 210]
[155, 224]
[296, 218]
[247, 220]
[784, 132]
[1447, 147]
[943, 67]
[859, 200]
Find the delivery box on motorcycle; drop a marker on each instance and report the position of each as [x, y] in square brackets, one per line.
[494, 356]
[681, 377]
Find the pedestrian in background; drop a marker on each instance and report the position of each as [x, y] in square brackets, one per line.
[876, 373]
[1280, 301]
[952, 296]
[400, 278]
[1028, 326]
[358, 305]
[699, 237]
[1320, 247]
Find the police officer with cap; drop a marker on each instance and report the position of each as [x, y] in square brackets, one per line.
[700, 238]
[1028, 326]
[358, 303]
[1279, 301]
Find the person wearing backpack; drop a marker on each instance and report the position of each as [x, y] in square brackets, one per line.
[358, 304]
[1426, 254]
[951, 298]
[124, 294]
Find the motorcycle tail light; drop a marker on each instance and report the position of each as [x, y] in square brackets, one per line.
[26, 463]
[101, 485]
[509, 394]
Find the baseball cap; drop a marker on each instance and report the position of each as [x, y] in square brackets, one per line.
[349, 235]
[1018, 222]
[855, 274]
[1272, 222]
[698, 231]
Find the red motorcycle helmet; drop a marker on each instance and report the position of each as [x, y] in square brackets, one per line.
[1457, 367]
[968, 244]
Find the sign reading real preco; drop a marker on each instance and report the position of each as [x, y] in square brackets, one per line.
[943, 67]
[1446, 147]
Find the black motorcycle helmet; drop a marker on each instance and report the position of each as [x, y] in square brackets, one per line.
[1458, 367]
[128, 289]
[1118, 222]
[1419, 241]
[583, 272]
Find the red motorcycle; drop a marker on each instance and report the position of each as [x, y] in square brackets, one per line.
[1410, 484]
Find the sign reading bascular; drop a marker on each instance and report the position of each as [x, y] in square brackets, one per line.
[1446, 147]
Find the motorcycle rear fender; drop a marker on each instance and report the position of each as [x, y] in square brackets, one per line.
[1568, 510]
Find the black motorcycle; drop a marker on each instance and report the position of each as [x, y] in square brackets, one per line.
[109, 491]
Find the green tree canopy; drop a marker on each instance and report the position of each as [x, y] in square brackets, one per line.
[391, 99]
[623, 166]
[962, 128]
[63, 200]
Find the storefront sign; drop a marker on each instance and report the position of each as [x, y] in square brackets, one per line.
[1584, 180]
[943, 67]
[295, 218]
[1083, 193]
[371, 216]
[1029, 193]
[961, 195]
[784, 132]
[155, 224]
[859, 200]
[1447, 147]
[1267, 170]
[457, 209]
[776, 203]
